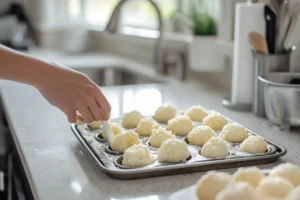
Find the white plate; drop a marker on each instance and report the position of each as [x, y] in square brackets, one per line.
[188, 193]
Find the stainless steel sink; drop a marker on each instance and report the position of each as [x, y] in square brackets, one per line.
[118, 76]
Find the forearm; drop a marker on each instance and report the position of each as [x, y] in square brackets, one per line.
[19, 67]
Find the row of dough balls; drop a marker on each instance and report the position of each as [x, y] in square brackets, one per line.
[180, 125]
[171, 150]
[283, 183]
[216, 147]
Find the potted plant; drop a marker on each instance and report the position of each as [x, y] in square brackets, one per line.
[203, 26]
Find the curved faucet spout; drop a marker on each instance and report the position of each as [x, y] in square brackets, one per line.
[113, 24]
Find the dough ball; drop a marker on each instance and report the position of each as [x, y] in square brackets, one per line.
[215, 121]
[276, 187]
[159, 135]
[131, 119]
[211, 184]
[238, 191]
[137, 156]
[173, 150]
[116, 129]
[180, 125]
[146, 126]
[294, 194]
[251, 175]
[124, 140]
[94, 125]
[288, 171]
[234, 132]
[196, 113]
[215, 147]
[200, 135]
[164, 113]
[254, 144]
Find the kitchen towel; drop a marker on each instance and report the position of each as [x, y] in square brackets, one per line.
[248, 17]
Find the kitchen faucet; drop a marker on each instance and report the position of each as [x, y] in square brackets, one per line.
[112, 27]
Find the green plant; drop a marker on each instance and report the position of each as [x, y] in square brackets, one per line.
[198, 18]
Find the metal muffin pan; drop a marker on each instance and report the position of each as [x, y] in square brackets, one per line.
[111, 162]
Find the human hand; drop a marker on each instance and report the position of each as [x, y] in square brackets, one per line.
[72, 91]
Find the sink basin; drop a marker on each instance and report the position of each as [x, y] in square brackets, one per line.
[118, 76]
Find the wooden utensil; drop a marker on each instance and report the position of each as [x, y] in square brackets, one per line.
[258, 42]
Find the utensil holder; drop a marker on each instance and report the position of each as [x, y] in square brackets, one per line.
[263, 64]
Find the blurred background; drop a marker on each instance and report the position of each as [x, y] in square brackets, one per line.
[197, 35]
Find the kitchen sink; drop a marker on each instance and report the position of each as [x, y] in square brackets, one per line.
[119, 76]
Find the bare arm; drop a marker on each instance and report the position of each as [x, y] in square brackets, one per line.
[64, 88]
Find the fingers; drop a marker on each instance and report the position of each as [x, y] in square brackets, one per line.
[103, 104]
[95, 110]
[85, 112]
[71, 115]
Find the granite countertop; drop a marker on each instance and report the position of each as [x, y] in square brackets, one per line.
[57, 167]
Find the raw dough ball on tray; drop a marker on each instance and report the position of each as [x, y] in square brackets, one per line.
[234, 132]
[173, 150]
[215, 147]
[146, 126]
[215, 121]
[124, 140]
[94, 125]
[164, 113]
[180, 125]
[254, 144]
[131, 119]
[137, 156]
[196, 113]
[159, 135]
[200, 135]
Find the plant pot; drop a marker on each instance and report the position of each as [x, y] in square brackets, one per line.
[205, 54]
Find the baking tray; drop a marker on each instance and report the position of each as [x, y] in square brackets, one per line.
[110, 161]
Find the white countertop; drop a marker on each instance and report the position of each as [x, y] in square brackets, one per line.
[58, 168]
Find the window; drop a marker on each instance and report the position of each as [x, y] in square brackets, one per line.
[135, 13]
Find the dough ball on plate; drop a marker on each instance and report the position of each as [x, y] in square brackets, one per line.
[288, 171]
[94, 125]
[215, 147]
[146, 126]
[124, 140]
[210, 184]
[196, 113]
[173, 150]
[180, 125]
[137, 156]
[294, 194]
[116, 129]
[200, 135]
[275, 187]
[131, 119]
[254, 144]
[234, 132]
[159, 135]
[238, 191]
[251, 175]
[164, 113]
[215, 121]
